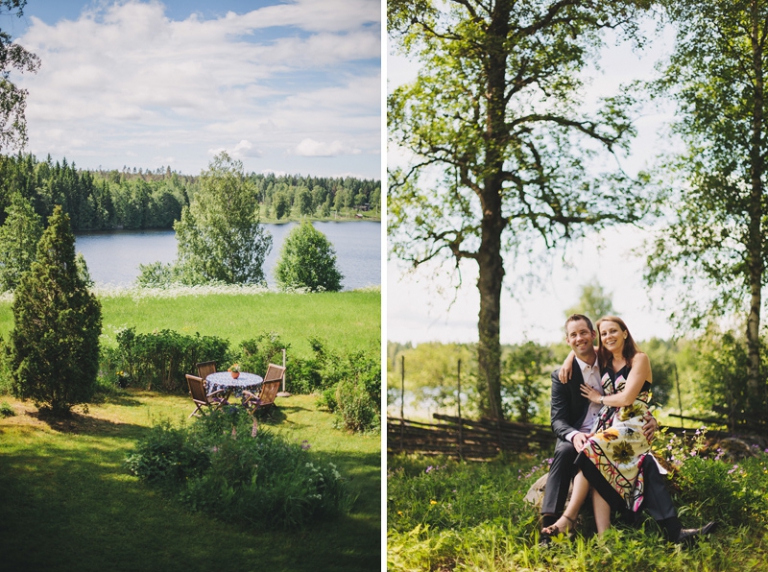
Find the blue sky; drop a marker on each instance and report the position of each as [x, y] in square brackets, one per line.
[289, 87]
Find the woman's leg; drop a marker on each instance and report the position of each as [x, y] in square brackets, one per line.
[602, 512]
[578, 496]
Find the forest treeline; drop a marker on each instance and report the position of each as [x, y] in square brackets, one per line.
[132, 199]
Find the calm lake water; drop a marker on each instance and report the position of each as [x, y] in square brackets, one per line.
[114, 257]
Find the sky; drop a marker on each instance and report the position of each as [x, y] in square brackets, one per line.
[287, 87]
[423, 304]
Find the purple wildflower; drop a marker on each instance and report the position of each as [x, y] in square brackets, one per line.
[429, 469]
[305, 445]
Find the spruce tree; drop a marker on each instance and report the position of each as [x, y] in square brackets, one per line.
[57, 323]
[18, 241]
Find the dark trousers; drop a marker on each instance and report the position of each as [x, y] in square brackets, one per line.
[561, 472]
[657, 500]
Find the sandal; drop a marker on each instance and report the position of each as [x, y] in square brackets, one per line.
[553, 530]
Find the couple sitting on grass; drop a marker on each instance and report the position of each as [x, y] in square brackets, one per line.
[600, 416]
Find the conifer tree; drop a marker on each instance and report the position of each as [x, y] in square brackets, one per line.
[18, 241]
[57, 323]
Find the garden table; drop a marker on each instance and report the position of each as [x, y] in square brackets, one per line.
[224, 380]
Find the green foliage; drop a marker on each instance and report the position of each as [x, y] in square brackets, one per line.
[257, 353]
[308, 260]
[440, 492]
[714, 192]
[157, 274]
[19, 236]
[13, 99]
[55, 341]
[136, 199]
[219, 235]
[6, 410]
[662, 355]
[431, 374]
[501, 151]
[217, 466]
[526, 379]
[722, 369]
[358, 393]
[160, 360]
[167, 458]
[594, 302]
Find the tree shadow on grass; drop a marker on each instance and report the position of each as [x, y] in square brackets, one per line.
[116, 398]
[281, 415]
[83, 424]
[72, 508]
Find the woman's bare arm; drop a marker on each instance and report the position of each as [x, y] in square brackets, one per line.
[638, 375]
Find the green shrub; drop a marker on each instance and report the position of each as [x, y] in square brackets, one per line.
[217, 466]
[714, 490]
[160, 360]
[327, 399]
[167, 457]
[6, 410]
[257, 353]
[358, 394]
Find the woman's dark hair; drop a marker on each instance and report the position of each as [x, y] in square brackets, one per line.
[630, 347]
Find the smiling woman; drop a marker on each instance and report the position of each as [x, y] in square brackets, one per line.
[283, 86]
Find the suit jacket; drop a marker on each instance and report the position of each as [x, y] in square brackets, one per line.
[569, 407]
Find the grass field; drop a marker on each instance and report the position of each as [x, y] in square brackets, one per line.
[347, 321]
[444, 515]
[68, 503]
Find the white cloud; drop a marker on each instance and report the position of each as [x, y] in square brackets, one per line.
[311, 148]
[239, 151]
[124, 77]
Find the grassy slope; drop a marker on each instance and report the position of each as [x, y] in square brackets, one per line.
[67, 503]
[345, 320]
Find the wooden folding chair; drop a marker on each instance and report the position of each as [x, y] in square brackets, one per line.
[203, 399]
[269, 388]
[206, 368]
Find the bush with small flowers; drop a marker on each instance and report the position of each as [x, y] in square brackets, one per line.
[218, 466]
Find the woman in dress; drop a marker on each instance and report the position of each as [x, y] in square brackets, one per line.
[610, 463]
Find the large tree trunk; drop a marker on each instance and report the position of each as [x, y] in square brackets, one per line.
[489, 260]
[489, 283]
[755, 254]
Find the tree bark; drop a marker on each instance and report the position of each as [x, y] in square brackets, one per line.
[489, 259]
[755, 254]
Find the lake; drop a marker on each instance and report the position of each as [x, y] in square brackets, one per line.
[113, 258]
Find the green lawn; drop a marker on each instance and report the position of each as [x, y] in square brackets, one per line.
[67, 502]
[347, 321]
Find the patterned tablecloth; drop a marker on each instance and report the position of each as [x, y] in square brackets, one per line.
[224, 380]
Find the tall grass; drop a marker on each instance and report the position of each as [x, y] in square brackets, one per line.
[446, 515]
[348, 321]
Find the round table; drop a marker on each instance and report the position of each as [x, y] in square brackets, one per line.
[224, 380]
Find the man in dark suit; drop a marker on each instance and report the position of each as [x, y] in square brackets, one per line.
[572, 418]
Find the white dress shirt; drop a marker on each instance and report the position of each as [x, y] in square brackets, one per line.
[591, 375]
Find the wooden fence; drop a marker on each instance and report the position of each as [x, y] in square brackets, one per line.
[466, 438]
[472, 439]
